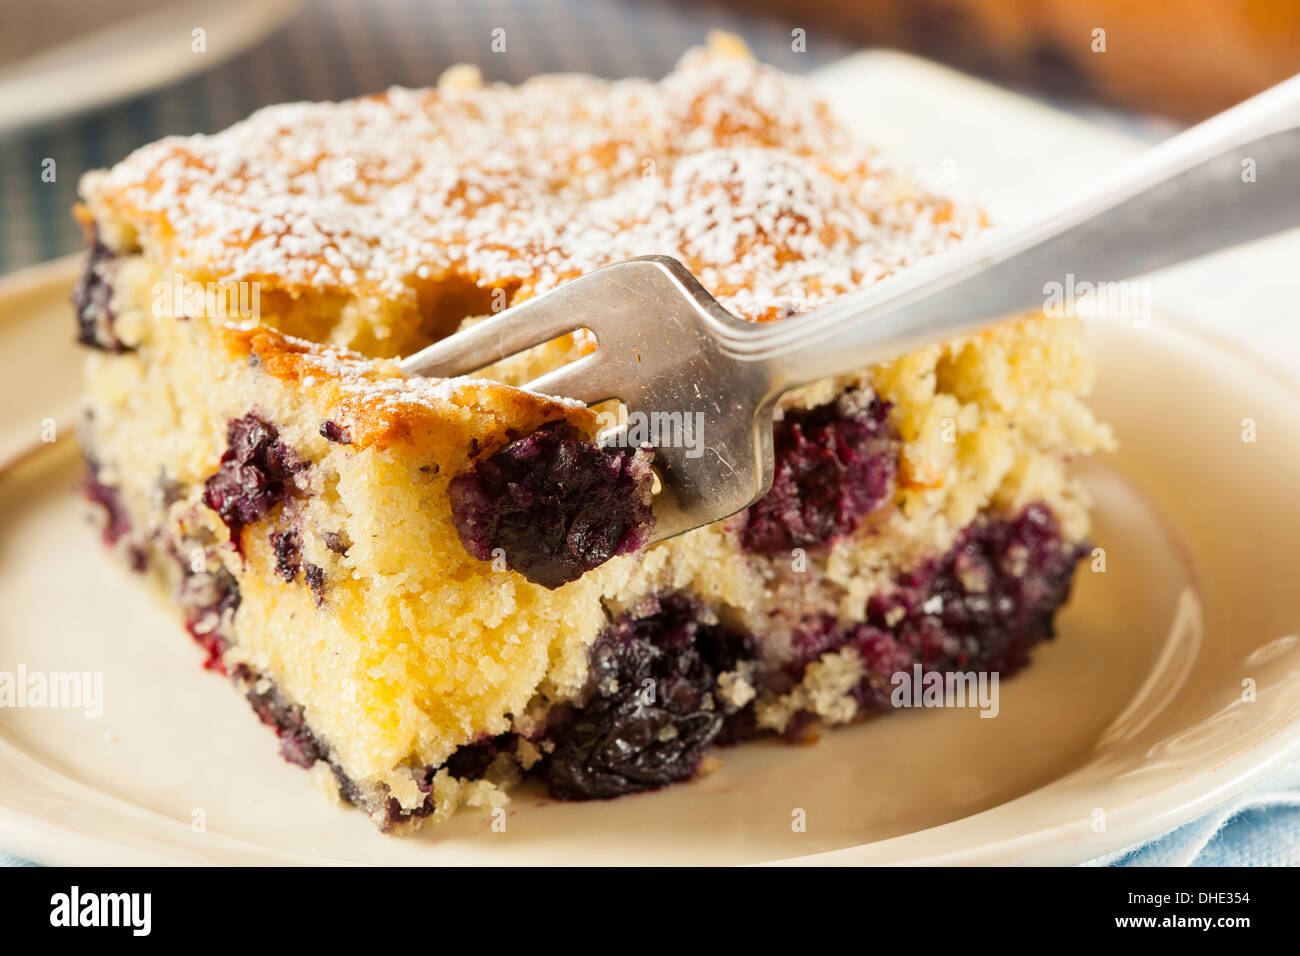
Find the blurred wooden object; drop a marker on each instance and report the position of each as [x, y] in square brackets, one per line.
[1183, 58]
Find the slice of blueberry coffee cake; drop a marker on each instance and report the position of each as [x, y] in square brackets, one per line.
[432, 589]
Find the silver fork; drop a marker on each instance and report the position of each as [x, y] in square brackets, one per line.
[665, 346]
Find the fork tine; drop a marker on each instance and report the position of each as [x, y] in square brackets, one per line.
[586, 380]
[517, 328]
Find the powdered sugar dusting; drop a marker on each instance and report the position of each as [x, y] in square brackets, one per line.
[738, 170]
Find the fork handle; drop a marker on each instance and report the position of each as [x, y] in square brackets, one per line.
[1191, 195]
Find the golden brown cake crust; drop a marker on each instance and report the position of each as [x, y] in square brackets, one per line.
[374, 404]
[737, 169]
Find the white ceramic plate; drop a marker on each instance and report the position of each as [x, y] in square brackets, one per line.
[141, 52]
[1131, 722]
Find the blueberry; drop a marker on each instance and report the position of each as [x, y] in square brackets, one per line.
[208, 601]
[92, 299]
[298, 744]
[315, 578]
[833, 465]
[108, 497]
[288, 553]
[254, 474]
[991, 598]
[472, 761]
[556, 506]
[336, 541]
[981, 606]
[335, 432]
[651, 714]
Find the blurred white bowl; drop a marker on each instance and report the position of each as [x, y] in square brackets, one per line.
[80, 58]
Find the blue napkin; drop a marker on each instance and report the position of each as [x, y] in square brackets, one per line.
[1258, 827]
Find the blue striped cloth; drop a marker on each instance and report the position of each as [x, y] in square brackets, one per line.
[333, 49]
[1260, 827]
